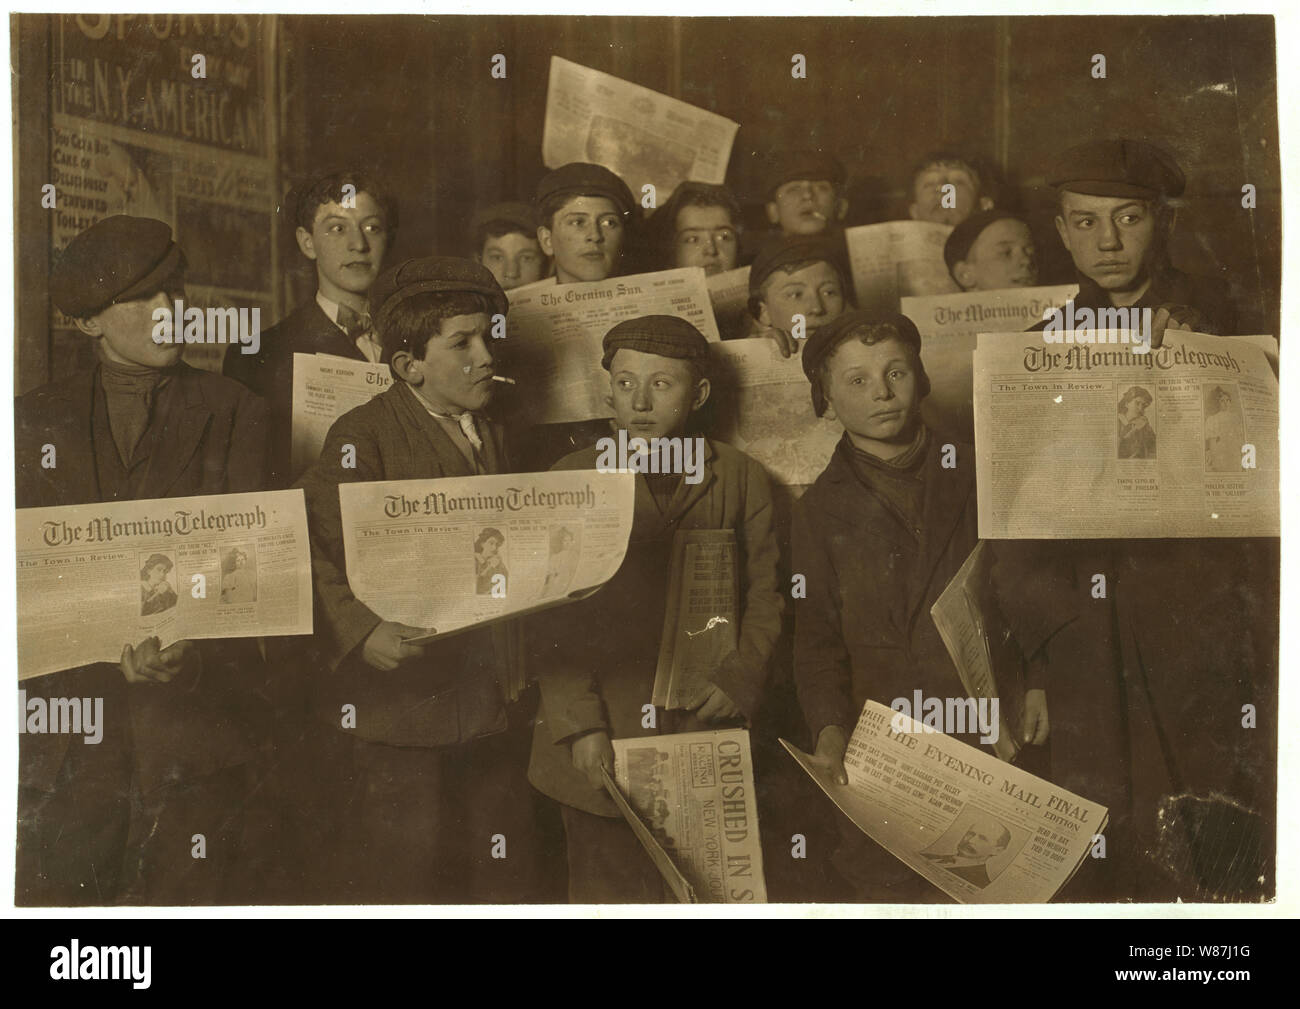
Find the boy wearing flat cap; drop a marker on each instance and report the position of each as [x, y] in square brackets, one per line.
[345, 223]
[584, 214]
[1115, 218]
[805, 193]
[991, 250]
[593, 686]
[797, 285]
[878, 537]
[429, 772]
[504, 239]
[113, 822]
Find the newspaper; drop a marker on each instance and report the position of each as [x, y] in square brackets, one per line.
[988, 661]
[95, 577]
[949, 323]
[555, 333]
[701, 617]
[763, 406]
[640, 135]
[729, 293]
[1087, 441]
[677, 883]
[898, 259]
[324, 389]
[456, 552]
[695, 792]
[982, 831]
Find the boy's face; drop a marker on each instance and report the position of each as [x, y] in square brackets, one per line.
[125, 332]
[514, 259]
[928, 195]
[805, 206]
[1002, 256]
[872, 390]
[705, 237]
[586, 238]
[1112, 239]
[814, 291]
[652, 395]
[455, 373]
[347, 244]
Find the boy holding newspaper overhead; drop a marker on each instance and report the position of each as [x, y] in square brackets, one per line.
[878, 537]
[429, 771]
[114, 822]
[597, 686]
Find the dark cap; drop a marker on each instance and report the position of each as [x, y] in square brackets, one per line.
[578, 178]
[964, 235]
[785, 250]
[520, 214]
[813, 166]
[432, 275]
[119, 259]
[665, 335]
[1130, 168]
[822, 342]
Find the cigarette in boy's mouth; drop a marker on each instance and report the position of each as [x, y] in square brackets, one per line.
[502, 378]
[819, 216]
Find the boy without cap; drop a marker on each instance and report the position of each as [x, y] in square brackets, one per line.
[991, 250]
[878, 537]
[796, 285]
[934, 201]
[113, 822]
[504, 239]
[594, 685]
[700, 225]
[429, 772]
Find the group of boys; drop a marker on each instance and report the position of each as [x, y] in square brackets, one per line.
[412, 798]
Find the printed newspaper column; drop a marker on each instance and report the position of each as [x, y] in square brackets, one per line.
[729, 293]
[94, 577]
[898, 259]
[458, 552]
[640, 135]
[555, 334]
[982, 831]
[1081, 440]
[695, 793]
[949, 323]
[324, 389]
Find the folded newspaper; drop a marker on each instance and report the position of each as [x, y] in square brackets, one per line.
[324, 389]
[642, 136]
[898, 259]
[729, 293]
[982, 831]
[95, 577]
[1109, 440]
[694, 792]
[462, 551]
[555, 333]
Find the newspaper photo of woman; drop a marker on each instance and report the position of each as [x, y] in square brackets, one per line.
[1224, 431]
[238, 576]
[1137, 438]
[156, 593]
[563, 560]
[488, 562]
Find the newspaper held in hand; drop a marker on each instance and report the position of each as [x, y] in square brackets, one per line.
[326, 387]
[95, 577]
[459, 552]
[949, 324]
[695, 792]
[986, 656]
[642, 136]
[763, 406]
[556, 332]
[729, 293]
[982, 831]
[898, 259]
[701, 617]
[681, 889]
[1100, 441]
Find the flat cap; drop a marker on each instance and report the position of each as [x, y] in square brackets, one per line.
[432, 275]
[813, 166]
[119, 259]
[821, 342]
[964, 235]
[520, 214]
[785, 250]
[665, 335]
[1131, 168]
[578, 178]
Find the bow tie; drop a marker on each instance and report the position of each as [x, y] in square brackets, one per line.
[353, 323]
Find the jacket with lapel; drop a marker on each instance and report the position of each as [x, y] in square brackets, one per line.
[209, 438]
[456, 691]
[864, 630]
[596, 658]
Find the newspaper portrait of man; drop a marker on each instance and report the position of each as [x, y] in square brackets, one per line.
[490, 571]
[239, 574]
[156, 592]
[1224, 429]
[976, 847]
[1137, 436]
